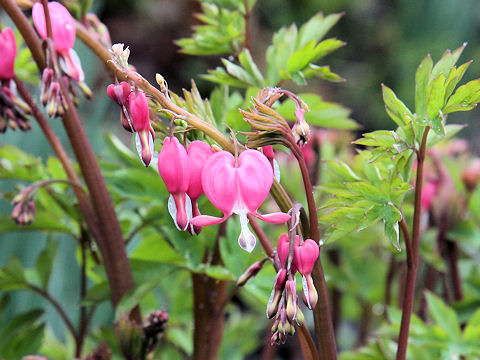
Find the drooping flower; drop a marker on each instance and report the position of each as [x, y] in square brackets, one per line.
[173, 166]
[239, 187]
[305, 256]
[119, 93]
[8, 49]
[63, 33]
[140, 117]
[198, 154]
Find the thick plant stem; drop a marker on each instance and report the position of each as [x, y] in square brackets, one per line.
[111, 240]
[209, 296]
[321, 314]
[83, 201]
[412, 255]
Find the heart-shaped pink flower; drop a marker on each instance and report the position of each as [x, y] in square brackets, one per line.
[305, 256]
[283, 246]
[139, 110]
[240, 187]
[173, 166]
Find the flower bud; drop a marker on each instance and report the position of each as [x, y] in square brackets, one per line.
[275, 296]
[250, 273]
[471, 175]
[300, 318]
[291, 290]
[119, 92]
[129, 337]
[301, 130]
[305, 256]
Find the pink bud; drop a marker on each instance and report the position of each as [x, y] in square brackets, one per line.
[238, 187]
[119, 92]
[268, 152]
[309, 295]
[174, 168]
[63, 25]
[140, 111]
[8, 51]
[305, 256]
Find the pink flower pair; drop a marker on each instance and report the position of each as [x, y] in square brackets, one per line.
[181, 171]
[304, 257]
[135, 117]
[63, 33]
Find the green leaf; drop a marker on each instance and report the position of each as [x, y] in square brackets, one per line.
[97, 294]
[447, 61]
[12, 276]
[454, 77]
[135, 296]
[249, 65]
[45, 262]
[422, 79]
[396, 109]
[301, 58]
[450, 131]
[316, 27]
[444, 317]
[322, 72]
[465, 97]
[436, 98]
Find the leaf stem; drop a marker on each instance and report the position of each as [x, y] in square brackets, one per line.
[412, 254]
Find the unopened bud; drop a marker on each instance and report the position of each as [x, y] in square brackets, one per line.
[129, 337]
[250, 273]
[275, 326]
[276, 294]
[301, 130]
[53, 102]
[300, 318]
[47, 77]
[471, 175]
[291, 290]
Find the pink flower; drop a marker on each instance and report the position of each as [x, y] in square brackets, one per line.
[283, 246]
[430, 189]
[119, 92]
[174, 168]
[305, 256]
[139, 110]
[8, 49]
[240, 187]
[198, 154]
[63, 33]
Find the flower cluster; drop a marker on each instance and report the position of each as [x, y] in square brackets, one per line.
[13, 111]
[135, 117]
[63, 37]
[283, 303]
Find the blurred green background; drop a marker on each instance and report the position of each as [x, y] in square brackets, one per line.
[386, 40]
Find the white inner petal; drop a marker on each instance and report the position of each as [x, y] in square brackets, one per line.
[276, 170]
[246, 240]
[172, 209]
[305, 290]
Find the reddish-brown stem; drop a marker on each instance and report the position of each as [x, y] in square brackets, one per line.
[412, 255]
[54, 141]
[388, 282]
[47, 19]
[111, 242]
[321, 314]
[454, 271]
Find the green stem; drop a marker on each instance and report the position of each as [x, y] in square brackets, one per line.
[412, 255]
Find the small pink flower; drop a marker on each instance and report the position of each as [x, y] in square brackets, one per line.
[174, 168]
[63, 33]
[198, 154]
[305, 256]
[8, 51]
[139, 111]
[119, 92]
[240, 187]
[283, 246]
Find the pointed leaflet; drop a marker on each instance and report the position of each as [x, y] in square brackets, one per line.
[445, 317]
[396, 109]
[422, 78]
[316, 27]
